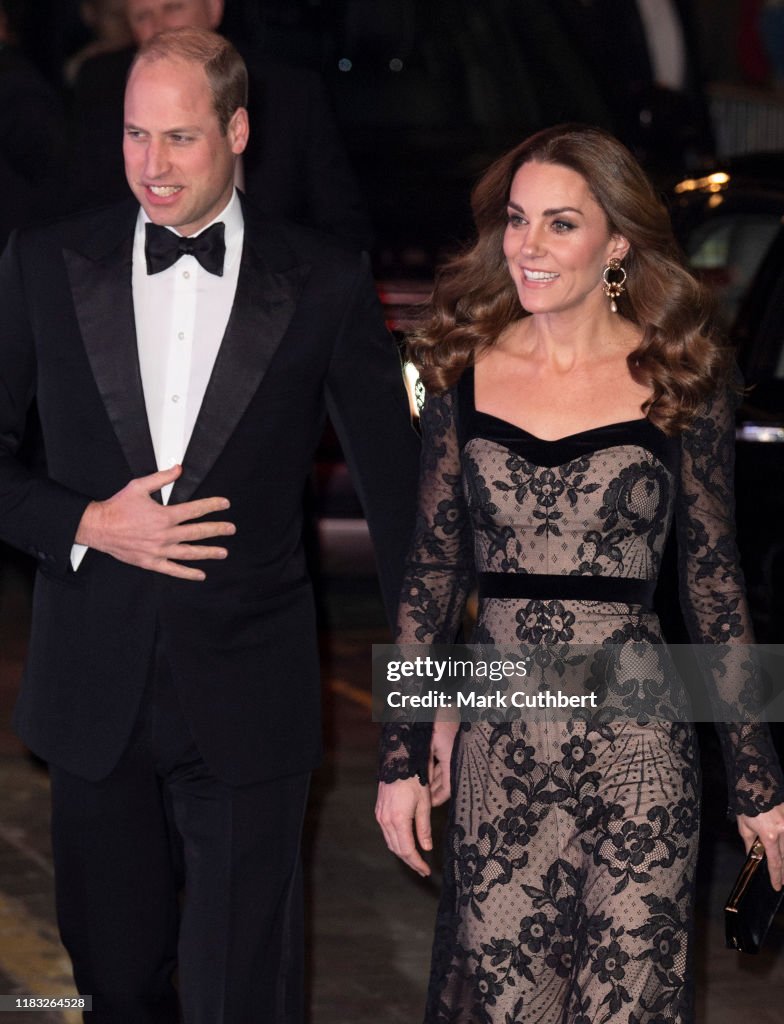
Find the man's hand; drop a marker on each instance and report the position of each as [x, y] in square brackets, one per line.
[132, 527]
[400, 806]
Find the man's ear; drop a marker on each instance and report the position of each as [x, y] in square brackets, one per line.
[238, 130]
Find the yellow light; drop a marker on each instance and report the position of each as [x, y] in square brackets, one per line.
[710, 183]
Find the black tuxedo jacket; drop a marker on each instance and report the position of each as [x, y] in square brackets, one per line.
[305, 336]
[295, 164]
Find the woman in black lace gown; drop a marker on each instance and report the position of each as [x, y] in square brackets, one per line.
[568, 425]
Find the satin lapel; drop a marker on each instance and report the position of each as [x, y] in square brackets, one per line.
[262, 311]
[101, 290]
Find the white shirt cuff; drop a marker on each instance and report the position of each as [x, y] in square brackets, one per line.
[78, 551]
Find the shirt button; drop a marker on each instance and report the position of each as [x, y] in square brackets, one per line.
[175, 398]
[186, 274]
[181, 335]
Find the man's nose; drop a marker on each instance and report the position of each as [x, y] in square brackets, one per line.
[156, 161]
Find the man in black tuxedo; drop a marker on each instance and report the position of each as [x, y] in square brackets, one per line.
[184, 352]
[295, 165]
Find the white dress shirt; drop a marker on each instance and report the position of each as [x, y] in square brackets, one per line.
[181, 315]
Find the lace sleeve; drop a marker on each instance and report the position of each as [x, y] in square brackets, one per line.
[437, 574]
[714, 604]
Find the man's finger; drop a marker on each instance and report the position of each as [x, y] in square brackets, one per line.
[195, 552]
[183, 572]
[188, 510]
[200, 531]
[154, 481]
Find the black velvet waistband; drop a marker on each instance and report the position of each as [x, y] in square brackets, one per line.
[541, 586]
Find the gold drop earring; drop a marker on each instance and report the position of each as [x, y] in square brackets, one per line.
[614, 277]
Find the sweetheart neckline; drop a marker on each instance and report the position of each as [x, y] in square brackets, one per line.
[566, 437]
[471, 381]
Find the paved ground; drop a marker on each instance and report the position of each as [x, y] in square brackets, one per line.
[369, 920]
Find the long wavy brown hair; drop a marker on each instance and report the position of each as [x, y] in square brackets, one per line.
[474, 298]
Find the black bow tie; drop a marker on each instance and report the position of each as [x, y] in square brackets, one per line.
[163, 248]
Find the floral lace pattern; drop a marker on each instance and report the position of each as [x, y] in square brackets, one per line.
[571, 848]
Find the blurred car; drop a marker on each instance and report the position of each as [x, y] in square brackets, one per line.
[731, 225]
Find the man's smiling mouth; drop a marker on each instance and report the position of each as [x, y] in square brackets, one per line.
[164, 190]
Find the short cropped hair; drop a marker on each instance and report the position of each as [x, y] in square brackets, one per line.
[225, 69]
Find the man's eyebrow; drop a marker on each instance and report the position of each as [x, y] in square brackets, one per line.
[548, 213]
[183, 130]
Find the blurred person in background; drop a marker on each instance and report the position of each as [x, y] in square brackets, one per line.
[295, 166]
[579, 408]
[32, 136]
[108, 24]
[644, 57]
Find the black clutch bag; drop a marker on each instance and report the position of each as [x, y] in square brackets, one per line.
[752, 905]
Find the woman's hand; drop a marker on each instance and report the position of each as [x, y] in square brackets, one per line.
[769, 826]
[403, 807]
[438, 769]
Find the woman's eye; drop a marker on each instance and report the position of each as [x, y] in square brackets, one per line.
[562, 226]
[515, 220]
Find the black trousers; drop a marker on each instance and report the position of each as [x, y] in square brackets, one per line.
[162, 866]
